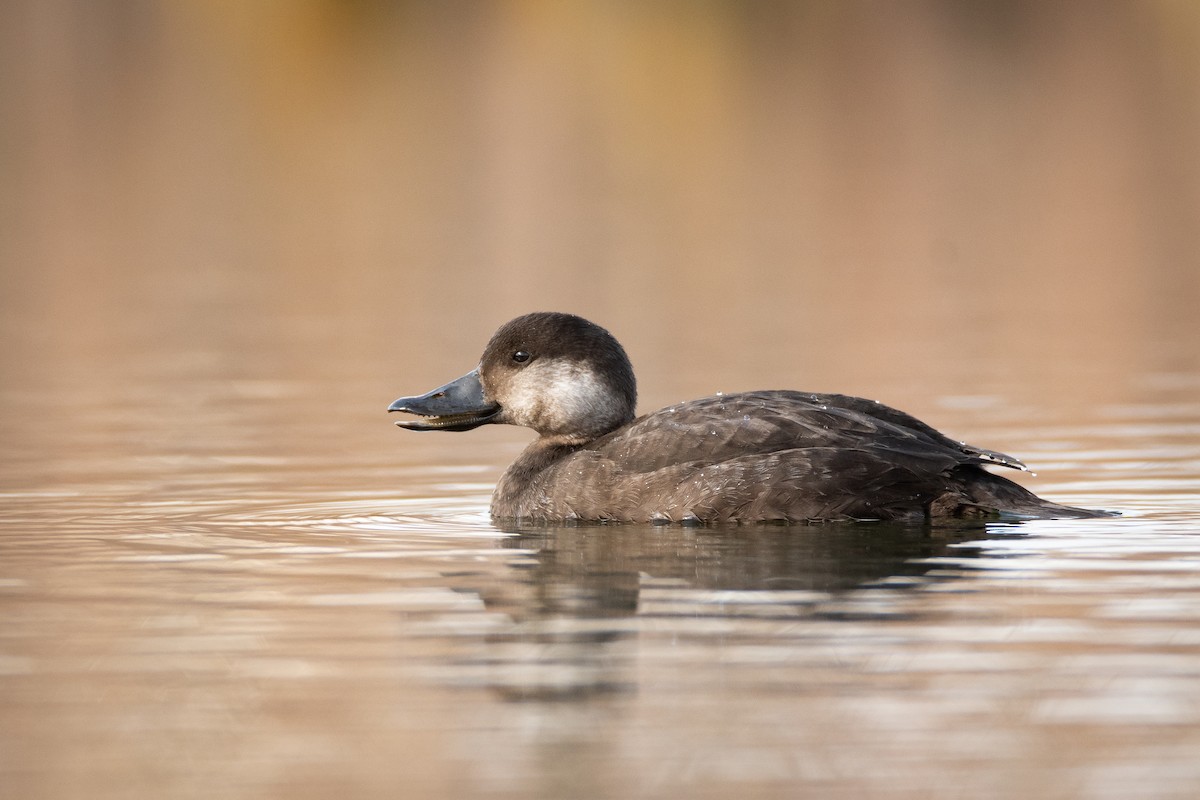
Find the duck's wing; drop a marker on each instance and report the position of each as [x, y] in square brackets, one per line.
[900, 419]
[722, 428]
[770, 466]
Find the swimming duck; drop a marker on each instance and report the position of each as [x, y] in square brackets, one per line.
[749, 457]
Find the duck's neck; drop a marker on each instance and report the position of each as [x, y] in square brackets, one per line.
[515, 486]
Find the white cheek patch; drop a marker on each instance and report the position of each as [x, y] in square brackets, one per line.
[558, 397]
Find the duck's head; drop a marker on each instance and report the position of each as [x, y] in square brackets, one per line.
[558, 374]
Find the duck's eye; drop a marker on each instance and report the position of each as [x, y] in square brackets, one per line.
[521, 356]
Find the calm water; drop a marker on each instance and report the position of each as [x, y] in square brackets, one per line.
[252, 587]
[229, 237]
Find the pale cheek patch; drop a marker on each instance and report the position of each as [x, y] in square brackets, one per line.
[555, 397]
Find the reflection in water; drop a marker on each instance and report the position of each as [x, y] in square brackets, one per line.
[577, 593]
[814, 558]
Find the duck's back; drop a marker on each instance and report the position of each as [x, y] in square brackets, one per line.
[723, 427]
[773, 455]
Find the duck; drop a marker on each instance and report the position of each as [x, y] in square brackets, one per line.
[776, 456]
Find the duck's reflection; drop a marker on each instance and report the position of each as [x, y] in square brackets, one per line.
[579, 596]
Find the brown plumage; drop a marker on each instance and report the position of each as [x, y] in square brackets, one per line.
[748, 457]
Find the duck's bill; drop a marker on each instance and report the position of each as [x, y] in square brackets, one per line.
[457, 406]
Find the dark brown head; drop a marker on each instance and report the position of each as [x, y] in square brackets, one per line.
[556, 373]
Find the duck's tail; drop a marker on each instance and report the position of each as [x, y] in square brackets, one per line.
[982, 492]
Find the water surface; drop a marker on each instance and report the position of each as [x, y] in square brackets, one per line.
[213, 598]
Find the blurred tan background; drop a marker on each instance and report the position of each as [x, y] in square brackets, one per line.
[863, 196]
